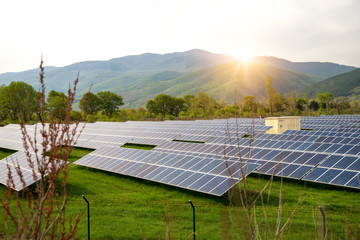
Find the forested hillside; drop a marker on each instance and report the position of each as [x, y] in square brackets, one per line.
[222, 82]
[346, 84]
[139, 78]
[320, 69]
[118, 72]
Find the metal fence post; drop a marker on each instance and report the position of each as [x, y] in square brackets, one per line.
[88, 211]
[192, 205]
[324, 223]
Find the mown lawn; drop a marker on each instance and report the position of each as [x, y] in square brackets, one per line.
[127, 208]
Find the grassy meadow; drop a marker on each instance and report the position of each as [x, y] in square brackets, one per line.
[5, 152]
[127, 208]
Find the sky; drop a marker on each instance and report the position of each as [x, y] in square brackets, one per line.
[69, 31]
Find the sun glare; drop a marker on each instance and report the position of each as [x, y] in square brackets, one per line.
[245, 54]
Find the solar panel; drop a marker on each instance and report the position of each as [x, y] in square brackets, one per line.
[345, 162]
[331, 161]
[354, 182]
[343, 178]
[355, 165]
[328, 154]
[328, 175]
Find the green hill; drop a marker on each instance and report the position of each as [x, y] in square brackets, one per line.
[126, 70]
[346, 84]
[220, 82]
[320, 69]
[139, 78]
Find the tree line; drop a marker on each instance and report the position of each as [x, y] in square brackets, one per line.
[21, 99]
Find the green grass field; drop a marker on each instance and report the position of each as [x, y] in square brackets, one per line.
[5, 152]
[138, 146]
[127, 208]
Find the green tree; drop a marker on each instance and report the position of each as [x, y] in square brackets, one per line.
[261, 110]
[314, 105]
[249, 104]
[110, 102]
[57, 103]
[325, 99]
[166, 105]
[306, 98]
[227, 111]
[5, 110]
[355, 106]
[270, 93]
[300, 104]
[160, 105]
[205, 102]
[141, 113]
[292, 102]
[177, 105]
[19, 98]
[279, 102]
[191, 103]
[92, 105]
[223, 103]
[341, 103]
[151, 107]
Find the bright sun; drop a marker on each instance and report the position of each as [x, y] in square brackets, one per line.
[245, 54]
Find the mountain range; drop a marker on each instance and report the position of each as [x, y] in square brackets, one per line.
[139, 78]
[320, 69]
[346, 84]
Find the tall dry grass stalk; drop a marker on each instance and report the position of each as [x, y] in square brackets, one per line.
[166, 217]
[244, 218]
[41, 213]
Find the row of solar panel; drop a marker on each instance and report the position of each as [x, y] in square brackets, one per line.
[332, 118]
[212, 184]
[310, 147]
[14, 145]
[275, 145]
[332, 137]
[327, 122]
[294, 136]
[297, 159]
[285, 137]
[120, 141]
[129, 133]
[297, 165]
[298, 171]
[323, 125]
[301, 145]
[335, 177]
[168, 133]
[290, 169]
[294, 157]
[294, 164]
[339, 129]
[180, 161]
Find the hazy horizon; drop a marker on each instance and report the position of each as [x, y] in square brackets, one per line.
[66, 32]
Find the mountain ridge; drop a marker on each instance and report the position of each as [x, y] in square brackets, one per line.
[220, 82]
[320, 69]
[346, 84]
[141, 77]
